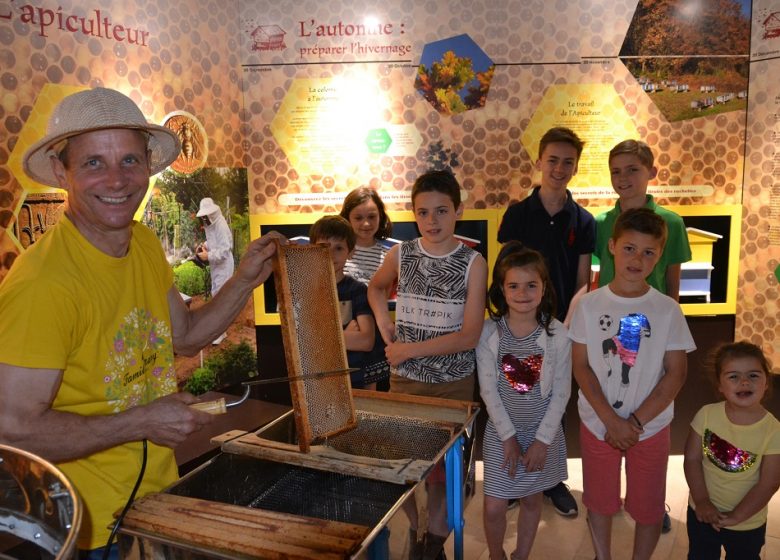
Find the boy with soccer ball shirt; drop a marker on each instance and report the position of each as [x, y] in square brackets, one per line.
[629, 345]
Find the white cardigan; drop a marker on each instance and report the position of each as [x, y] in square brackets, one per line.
[555, 377]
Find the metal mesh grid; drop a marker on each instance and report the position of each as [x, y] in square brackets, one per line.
[329, 495]
[392, 437]
[284, 488]
[319, 343]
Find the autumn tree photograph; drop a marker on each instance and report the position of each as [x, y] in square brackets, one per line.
[691, 57]
[454, 75]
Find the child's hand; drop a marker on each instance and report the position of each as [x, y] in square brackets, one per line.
[397, 353]
[706, 512]
[622, 434]
[725, 519]
[535, 456]
[512, 455]
[352, 326]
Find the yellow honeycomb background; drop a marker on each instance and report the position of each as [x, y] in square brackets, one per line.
[757, 305]
[193, 63]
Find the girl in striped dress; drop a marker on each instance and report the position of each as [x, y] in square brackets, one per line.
[365, 212]
[524, 368]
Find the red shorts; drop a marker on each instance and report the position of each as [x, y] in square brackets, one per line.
[645, 476]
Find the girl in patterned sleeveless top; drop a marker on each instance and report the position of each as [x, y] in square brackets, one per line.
[524, 368]
[732, 459]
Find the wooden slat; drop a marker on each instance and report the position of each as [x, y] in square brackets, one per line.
[241, 531]
[323, 458]
[414, 406]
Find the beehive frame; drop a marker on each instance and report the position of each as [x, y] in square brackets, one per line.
[313, 341]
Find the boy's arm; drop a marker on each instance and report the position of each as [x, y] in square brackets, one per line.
[664, 393]
[575, 300]
[458, 341]
[378, 288]
[758, 496]
[359, 333]
[673, 281]
[621, 434]
[581, 287]
[706, 512]
[583, 272]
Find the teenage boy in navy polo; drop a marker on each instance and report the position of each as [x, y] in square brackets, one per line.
[549, 221]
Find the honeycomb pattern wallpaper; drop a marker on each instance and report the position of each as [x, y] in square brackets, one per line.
[232, 64]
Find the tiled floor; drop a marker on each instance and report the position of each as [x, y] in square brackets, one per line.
[563, 538]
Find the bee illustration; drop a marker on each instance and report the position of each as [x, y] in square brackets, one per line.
[187, 137]
[193, 143]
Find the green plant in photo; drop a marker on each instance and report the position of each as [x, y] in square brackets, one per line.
[190, 279]
[201, 381]
[233, 363]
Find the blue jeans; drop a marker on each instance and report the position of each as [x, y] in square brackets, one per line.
[705, 542]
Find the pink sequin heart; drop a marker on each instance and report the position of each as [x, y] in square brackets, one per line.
[523, 374]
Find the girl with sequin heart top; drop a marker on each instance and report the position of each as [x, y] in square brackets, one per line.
[732, 459]
[524, 368]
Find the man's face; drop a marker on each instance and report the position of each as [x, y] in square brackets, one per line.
[106, 174]
[558, 164]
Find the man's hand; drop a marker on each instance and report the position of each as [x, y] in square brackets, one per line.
[256, 263]
[169, 420]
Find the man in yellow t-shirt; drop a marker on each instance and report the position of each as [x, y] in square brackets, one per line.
[91, 318]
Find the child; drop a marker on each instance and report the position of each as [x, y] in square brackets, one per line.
[524, 367]
[365, 211]
[550, 221]
[631, 167]
[732, 459]
[628, 357]
[439, 315]
[356, 319]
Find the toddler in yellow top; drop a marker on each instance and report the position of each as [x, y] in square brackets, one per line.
[732, 459]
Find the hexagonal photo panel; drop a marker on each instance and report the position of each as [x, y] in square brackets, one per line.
[454, 75]
[691, 58]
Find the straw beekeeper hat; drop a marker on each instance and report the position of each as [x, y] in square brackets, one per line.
[97, 109]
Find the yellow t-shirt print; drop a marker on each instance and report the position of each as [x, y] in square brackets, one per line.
[139, 367]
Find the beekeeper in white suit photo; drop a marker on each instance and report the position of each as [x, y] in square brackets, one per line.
[217, 251]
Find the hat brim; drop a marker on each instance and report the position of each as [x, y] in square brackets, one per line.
[207, 211]
[164, 147]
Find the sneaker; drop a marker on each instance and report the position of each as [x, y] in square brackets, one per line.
[562, 500]
[666, 526]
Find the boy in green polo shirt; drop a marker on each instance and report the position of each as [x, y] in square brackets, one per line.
[631, 167]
